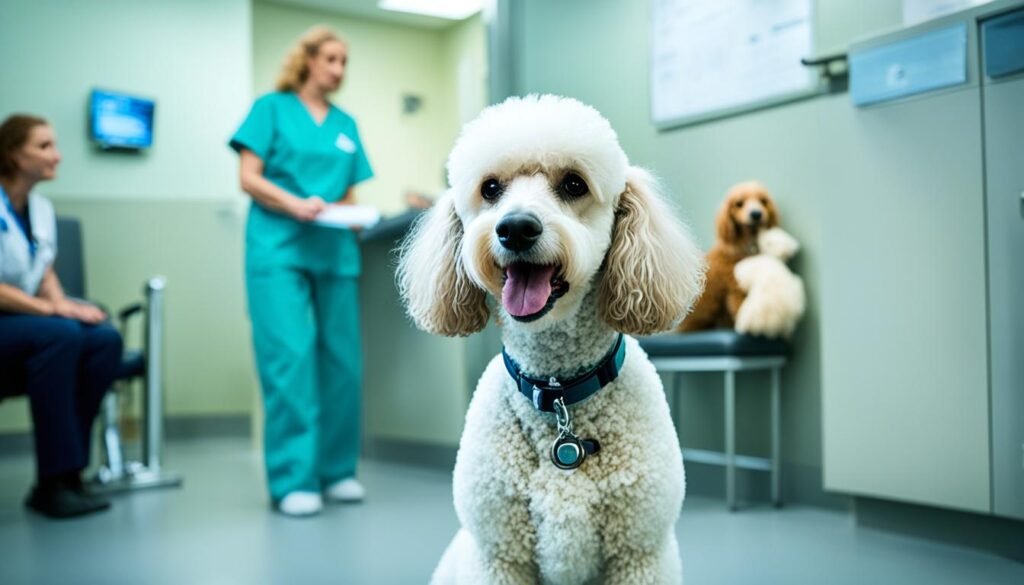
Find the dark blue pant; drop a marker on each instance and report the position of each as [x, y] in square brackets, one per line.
[64, 367]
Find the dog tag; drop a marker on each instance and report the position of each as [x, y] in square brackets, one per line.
[568, 450]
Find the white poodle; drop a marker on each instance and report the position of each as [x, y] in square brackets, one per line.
[545, 214]
[775, 296]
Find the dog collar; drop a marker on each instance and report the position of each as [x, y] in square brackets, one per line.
[543, 393]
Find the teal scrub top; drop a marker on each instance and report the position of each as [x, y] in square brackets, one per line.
[305, 159]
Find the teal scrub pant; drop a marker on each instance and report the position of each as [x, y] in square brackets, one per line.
[305, 330]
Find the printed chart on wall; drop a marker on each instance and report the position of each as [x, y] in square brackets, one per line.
[715, 58]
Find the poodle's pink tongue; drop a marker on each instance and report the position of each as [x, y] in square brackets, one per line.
[527, 288]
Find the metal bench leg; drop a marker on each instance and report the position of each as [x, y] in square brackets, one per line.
[730, 439]
[776, 440]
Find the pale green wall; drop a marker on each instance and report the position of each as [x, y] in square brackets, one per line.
[465, 62]
[191, 56]
[418, 385]
[386, 61]
[796, 150]
[172, 210]
[197, 246]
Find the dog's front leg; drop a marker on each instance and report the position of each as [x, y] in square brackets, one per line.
[491, 490]
[464, 563]
[504, 542]
[651, 561]
[646, 566]
[638, 529]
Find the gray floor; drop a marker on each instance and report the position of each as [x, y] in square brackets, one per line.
[218, 530]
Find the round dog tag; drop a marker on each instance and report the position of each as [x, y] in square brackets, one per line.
[567, 452]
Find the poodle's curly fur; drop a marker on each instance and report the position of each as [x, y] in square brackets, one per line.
[620, 262]
[747, 210]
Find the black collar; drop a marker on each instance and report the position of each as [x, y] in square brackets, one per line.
[544, 392]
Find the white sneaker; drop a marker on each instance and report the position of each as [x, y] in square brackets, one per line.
[301, 504]
[346, 490]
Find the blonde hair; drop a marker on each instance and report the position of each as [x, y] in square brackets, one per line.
[295, 70]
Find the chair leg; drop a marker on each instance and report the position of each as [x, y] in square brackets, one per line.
[730, 439]
[776, 439]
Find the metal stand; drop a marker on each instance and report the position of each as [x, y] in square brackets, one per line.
[729, 365]
[116, 474]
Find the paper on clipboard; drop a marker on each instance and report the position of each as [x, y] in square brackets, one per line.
[348, 216]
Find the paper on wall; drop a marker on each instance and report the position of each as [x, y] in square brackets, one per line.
[709, 56]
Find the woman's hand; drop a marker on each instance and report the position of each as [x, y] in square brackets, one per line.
[78, 311]
[306, 209]
[42, 307]
[90, 314]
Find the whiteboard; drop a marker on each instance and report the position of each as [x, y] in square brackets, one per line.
[713, 57]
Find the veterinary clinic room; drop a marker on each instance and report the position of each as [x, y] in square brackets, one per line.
[511, 292]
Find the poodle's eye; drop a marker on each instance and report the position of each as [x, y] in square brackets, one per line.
[738, 203]
[491, 189]
[764, 202]
[574, 186]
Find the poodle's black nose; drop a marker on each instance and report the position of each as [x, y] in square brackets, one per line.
[755, 215]
[518, 232]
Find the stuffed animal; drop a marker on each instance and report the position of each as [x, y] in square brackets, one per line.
[775, 296]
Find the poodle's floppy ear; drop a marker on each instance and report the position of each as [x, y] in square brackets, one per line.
[773, 212]
[726, 229]
[438, 294]
[653, 271]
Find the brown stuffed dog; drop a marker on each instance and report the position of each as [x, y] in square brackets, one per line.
[747, 209]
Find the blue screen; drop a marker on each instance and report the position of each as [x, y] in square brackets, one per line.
[121, 121]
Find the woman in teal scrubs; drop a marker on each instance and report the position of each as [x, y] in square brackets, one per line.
[299, 155]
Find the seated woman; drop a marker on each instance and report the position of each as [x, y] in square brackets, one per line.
[57, 351]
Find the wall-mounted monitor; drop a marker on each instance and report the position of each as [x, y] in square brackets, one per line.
[120, 121]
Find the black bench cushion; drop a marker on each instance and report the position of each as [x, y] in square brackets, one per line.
[717, 342]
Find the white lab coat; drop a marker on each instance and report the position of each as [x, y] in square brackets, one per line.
[18, 267]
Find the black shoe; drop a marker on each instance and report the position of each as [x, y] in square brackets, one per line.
[57, 500]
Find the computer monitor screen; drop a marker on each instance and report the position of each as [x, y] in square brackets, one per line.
[118, 120]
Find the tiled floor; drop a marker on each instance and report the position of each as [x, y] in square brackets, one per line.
[217, 529]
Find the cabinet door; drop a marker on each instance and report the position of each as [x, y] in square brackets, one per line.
[1004, 173]
[904, 364]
